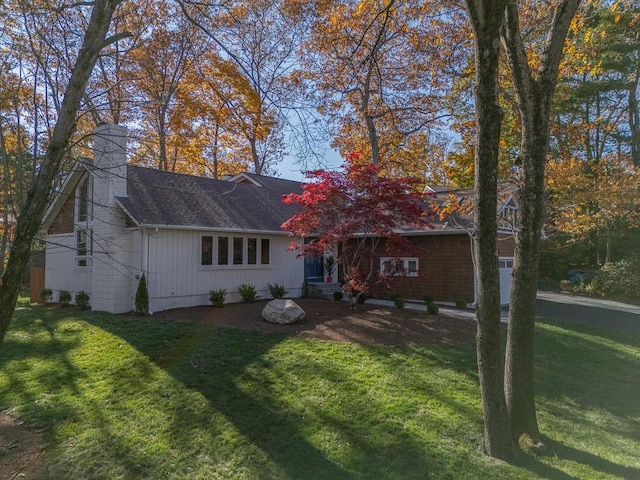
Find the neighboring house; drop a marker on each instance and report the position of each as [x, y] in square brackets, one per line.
[189, 235]
[443, 268]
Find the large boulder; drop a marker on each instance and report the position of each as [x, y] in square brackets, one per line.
[282, 311]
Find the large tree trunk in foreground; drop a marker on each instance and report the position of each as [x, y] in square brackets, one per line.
[30, 218]
[534, 97]
[487, 18]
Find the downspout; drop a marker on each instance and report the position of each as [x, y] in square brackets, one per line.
[473, 264]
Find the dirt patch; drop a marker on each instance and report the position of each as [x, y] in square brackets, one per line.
[20, 451]
[331, 320]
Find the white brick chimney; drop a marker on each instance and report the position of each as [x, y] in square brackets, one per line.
[111, 270]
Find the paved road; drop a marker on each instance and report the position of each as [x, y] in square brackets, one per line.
[592, 311]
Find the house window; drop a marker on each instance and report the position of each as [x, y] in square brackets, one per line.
[223, 250]
[252, 251]
[505, 263]
[84, 247]
[264, 251]
[207, 251]
[405, 266]
[83, 207]
[238, 250]
[507, 217]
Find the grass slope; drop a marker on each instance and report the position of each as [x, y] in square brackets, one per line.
[137, 398]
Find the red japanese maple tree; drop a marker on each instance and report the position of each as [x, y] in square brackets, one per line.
[359, 216]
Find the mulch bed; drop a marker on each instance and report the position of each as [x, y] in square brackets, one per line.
[335, 321]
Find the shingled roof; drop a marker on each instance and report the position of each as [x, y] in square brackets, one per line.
[157, 198]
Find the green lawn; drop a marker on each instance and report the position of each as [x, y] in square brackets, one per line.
[138, 398]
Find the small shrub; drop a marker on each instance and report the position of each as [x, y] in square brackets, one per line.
[461, 303]
[277, 291]
[566, 285]
[142, 297]
[46, 294]
[427, 299]
[248, 293]
[64, 298]
[432, 308]
[82, 300]
[217, 297]
[338, 295]
[361, 299]
[398, 302]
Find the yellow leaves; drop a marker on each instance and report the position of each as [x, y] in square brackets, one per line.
[592, 195]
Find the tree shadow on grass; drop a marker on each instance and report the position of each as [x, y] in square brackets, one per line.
[597, 463]
[211, 360]
[44, 388]
[234, 371]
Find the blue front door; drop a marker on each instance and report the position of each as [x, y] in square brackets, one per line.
[313, 266]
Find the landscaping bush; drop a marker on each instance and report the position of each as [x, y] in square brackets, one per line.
[398, 302]
[46, 294]
[620, 279]
[432, 308]
[277, 291]
[361, 299]
[338, 295]
[64, 298]
[617, 280]
[142, 297]
[217, 297]
[82, 300]
[461, 304]
[248, 293]
[427, 299]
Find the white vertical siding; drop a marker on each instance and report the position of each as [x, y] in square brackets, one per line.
[61, 272]
[176, 278]
[171, 260]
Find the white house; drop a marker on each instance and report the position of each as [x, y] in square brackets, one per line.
[189, 235]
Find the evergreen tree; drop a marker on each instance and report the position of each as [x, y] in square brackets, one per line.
[142, 297]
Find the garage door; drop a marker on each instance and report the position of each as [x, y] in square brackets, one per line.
[506, 268]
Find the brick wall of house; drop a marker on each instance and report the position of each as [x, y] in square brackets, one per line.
[506, 245]
[63, 222]
[445, 271]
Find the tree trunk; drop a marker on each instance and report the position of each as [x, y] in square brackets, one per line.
[487, 19]
[257, 165]
[162, 140]
[534, 98]
[31, 213]
[519, 361]
[609, 248]
[634, 114]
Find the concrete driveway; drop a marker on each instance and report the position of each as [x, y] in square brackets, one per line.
[591, 311]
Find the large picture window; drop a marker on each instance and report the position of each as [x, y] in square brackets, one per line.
[252, 251]
[237, 251]
[223, 250]
[400, 266]
[264, 252]
[207, 251]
